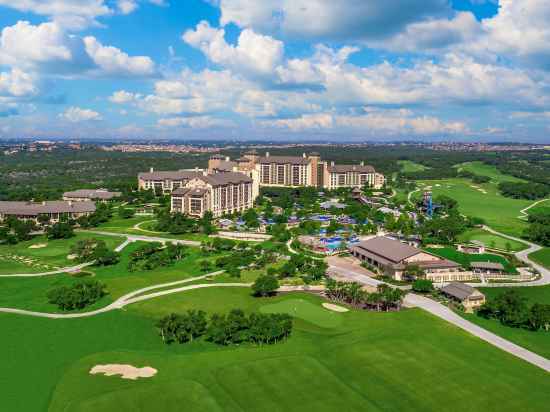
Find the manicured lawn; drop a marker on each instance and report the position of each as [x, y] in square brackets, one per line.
[500, 213]
[406, 361]
[538, 342]
[306, 310]
[44, 259]
[482, 169]
[542, 257]
[30, 293]
[464, 259]
[491, 240]
[408, 166]
[543, 207]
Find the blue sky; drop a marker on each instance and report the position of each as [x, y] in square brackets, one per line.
[362, 70]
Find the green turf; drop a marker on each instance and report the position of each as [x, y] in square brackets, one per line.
[491, 240]
[542, 257]
[542, 207]
[482, 169]
[464, 259]
[303, 309]
[538, 342]
[408, 166]
[46, 259]
[499, 212]
[405, 361]
[30, 293]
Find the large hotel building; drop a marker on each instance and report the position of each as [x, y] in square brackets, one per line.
[233, 185]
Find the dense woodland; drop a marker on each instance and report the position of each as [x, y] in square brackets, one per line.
[46, 175]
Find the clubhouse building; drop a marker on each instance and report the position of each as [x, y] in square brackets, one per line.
[392, 257]
[55, 210]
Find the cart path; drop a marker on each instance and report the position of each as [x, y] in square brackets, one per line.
[443, 312]
[522, 255]
[144, 238]
[523, 215]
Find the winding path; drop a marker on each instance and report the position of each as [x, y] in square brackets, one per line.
[143, 238]
[523, 212]
[522, 255]
[53, 272]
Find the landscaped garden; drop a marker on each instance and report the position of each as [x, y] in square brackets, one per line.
[465, 259]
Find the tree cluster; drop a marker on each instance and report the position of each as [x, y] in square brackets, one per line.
[232, 329]
[302, 266]
[60, 230]
[530, 191]
[512, 309]
[179, 223]
[352, 293]
[154, 255]
[94, 250]
[14, 231]
[539, 228]
[77, 296]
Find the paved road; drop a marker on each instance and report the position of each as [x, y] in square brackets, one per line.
[524, 257]
[144, 238]
[448, 315]
[340, 267]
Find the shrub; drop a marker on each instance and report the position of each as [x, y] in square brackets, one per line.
[265, 285]
[423, 286]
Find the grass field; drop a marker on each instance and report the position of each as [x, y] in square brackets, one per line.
[538, 342]
[367, 362]
[501, 213]
[408, 166]
[119, 225]
[44, 259]
[542, 257]
[30, 293]
[482, 169]
[491, 240]
[543, 207]
[464, 259]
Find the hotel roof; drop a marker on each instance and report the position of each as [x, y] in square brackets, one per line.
[93, 194]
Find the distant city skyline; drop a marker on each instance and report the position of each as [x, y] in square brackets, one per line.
[276, 70]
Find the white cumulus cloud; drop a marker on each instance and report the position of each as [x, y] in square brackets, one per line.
[76, 114]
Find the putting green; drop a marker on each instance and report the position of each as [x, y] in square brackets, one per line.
[302, 309]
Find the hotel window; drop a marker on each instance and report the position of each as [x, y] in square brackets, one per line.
[235, 195]
[280, 174]
[363, 179]
[341, 179]
[295, 175]
[265, 174]
[176, 204]
[223, 197]
[196, 206]
[246, 193]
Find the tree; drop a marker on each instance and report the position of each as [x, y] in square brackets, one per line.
[60, 230]
[265, 285]
[423, 286]
[125, 213]
[205, 266]
[539, 317]
[43, 219]
[413, 271]
[77, 296]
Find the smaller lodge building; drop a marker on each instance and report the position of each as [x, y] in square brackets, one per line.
[96, 195]
[55, 210]
[392, 258]
[466, 295]
[487, 268]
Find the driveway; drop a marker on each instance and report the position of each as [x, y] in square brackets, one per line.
[443, 312]
[349, 269]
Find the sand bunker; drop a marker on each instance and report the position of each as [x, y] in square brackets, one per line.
[38, 246]
[125, 371]
[335, 308]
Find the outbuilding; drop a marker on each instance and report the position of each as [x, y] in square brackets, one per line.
[468, 296]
